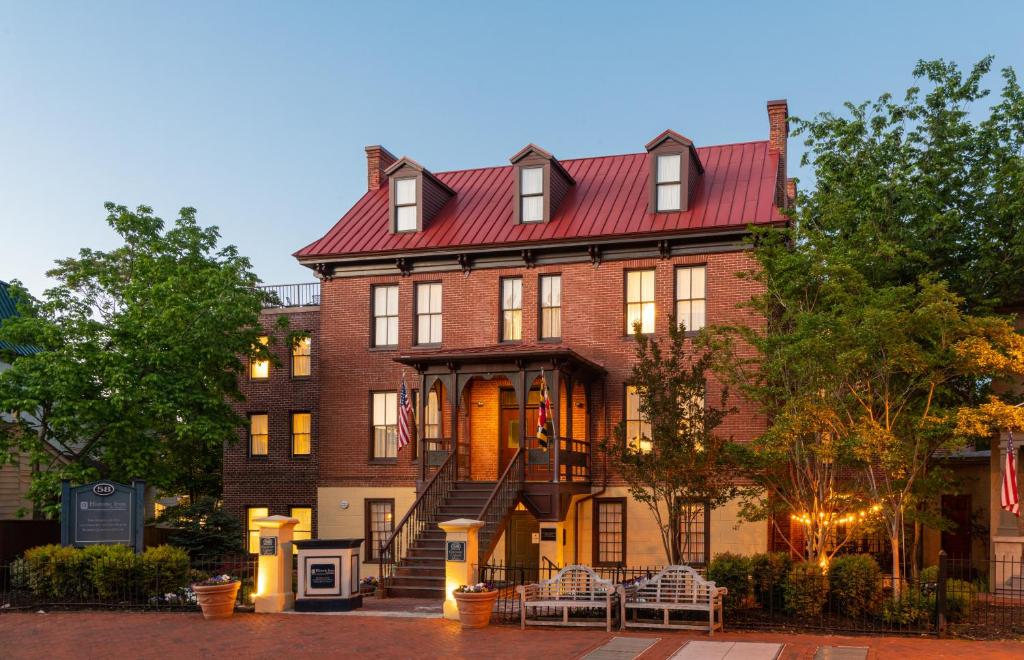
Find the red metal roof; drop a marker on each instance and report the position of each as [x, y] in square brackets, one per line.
[609, 199]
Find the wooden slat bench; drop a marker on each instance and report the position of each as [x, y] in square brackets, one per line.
[674, 588]
[574, 587]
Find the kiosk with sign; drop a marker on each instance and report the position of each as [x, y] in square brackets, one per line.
[102, 513]
[328, 575]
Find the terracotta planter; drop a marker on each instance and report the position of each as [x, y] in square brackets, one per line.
[475, 609]
[217, 600]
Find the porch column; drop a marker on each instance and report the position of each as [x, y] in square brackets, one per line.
[421, 441]
[556, 381]
[524, 394]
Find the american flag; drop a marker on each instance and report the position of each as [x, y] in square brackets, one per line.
[1010, 498]
[404, 416]
[544, 427]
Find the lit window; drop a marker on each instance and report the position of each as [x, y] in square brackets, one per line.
[511, 309]
[302, 424]
[405, 205]
[694, 524]
[302, 349]
[432, 416]
[252, 514]
[380, 522]
[610, 532]
[669, 183]
[260, 369]
[640, 300]
[550, 306]
[638, 429]
[303, 531]
[531, 194]
[428, 313]
[690, 301]
[259, 435]
[385, 315]
[385, 424]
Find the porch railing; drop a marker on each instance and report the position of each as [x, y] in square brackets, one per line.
[293, 295]
[421, 516]
[501, 503]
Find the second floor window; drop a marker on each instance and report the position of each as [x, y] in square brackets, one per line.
[638, 429]
[640, 300]
[690, 300]
[428, 313]
[259, 435]
[385, 424]
[550, 306]
[302, 350]
[511, 309]
[405, 205]
[260, 369]
[531, 194]
[385, 315]
[669, 182]
[302, 425]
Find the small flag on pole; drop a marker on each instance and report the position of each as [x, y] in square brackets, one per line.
[404, 415]
[1010, 498]
[544, 428]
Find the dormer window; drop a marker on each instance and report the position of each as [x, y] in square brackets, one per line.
[531, 194]
[669, 182]
[406, 216]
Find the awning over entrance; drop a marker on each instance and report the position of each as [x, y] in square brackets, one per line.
[519, 356]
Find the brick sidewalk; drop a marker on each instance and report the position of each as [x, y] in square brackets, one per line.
[175, 635]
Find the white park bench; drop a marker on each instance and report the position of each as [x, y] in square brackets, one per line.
[574, 587]
[674, 588]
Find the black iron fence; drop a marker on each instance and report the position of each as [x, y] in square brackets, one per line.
[116, 582]
[293, 295]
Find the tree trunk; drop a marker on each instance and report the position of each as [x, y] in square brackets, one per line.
[894, 542]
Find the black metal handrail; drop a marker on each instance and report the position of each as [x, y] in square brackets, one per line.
[500, 504]
[421, 516]
[293, 295]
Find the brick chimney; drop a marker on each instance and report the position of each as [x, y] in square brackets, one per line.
[378, 159]
[778, 134]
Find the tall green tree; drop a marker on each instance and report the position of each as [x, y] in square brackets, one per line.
[682, 463]
[140, 353]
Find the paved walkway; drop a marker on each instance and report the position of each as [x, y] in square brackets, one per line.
[81, 635]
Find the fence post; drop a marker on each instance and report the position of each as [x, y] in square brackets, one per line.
[940, 594]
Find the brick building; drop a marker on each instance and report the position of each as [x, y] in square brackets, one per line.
[472, 286]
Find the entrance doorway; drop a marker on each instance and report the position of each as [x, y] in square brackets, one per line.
[957, 541]
[521, 551]
[509, 434]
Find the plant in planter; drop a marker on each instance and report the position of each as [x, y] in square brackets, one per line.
[475, 604]
[368, 585]
[216, 596]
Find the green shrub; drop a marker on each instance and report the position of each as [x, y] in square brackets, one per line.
[731, 571]
[856, 585]
[58, 573]
[205, 530]
[806, 590]
[165, 569]
[910, 608]
[769, 571]
[930, 574]
[116, 572]
[959, 599]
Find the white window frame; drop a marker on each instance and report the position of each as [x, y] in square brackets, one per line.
[691, 297]
[640, 299]
[400, 205]
[429, 320]
[384, 425]
[664, 182]
[385, 321]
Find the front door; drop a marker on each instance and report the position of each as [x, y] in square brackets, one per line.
[957, 541]
[521, 550]
[509, 434]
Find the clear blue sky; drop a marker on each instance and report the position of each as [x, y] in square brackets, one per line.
[256, 113]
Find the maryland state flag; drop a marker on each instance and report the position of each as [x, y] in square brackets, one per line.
[544, 428]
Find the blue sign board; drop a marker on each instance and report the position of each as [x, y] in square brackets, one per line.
[102, 513]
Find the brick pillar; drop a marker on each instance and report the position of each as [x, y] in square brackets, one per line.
[778, 134]
[378, 159]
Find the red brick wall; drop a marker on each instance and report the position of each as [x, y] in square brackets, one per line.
[592, 325]
[279, 480]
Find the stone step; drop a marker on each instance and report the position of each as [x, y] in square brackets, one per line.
[475, 486]
[435, 593]
[420, 571]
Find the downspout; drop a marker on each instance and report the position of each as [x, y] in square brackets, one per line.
[604, 485]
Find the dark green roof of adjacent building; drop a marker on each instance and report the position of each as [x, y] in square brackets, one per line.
[7, 310]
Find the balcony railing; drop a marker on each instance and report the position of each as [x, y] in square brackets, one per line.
[293, 295]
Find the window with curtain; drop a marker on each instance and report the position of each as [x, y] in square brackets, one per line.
[690, 296]
[385, 424]
[251, 515]
[550, 306]
[531, 194]
[640, 300]
[380, 522]
[638, 429]
[302, 424]
[302, 350]
[669, 182]
[303, 531]
[428, 313]
[511, 309]
[260, 369]
[610, 532]
[385, 315]
[405, 205]
[259, 434]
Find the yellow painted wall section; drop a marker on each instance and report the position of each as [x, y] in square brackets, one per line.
[333, 522]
